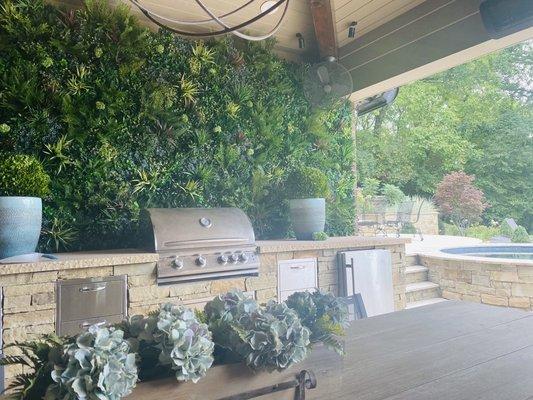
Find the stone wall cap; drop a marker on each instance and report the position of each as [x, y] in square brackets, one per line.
[79, 260]
[344, 242]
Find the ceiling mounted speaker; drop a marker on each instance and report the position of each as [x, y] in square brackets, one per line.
[504, 17]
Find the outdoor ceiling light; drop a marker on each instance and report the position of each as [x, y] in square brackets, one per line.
[268, 7]
[351, 30]
[301, 41]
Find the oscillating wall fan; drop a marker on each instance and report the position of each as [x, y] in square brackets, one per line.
[327, 82]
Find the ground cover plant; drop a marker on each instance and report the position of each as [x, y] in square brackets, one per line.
[122, 118]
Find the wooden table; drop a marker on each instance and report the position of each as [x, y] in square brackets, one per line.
[446, 351]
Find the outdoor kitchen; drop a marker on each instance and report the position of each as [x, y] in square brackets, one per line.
[198, 254]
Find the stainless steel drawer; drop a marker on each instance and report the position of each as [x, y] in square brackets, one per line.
[75, 327]
[83, 299]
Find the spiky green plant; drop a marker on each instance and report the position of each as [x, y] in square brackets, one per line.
[38, 359]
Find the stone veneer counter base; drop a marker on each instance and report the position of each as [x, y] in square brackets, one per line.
[29, 289]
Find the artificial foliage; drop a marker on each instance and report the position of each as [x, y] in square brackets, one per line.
[98, 365]
[172, 339]
[38, 358]
[307, 182]
[123, 118]
[22, 175]
[325, 315]
[269, 337]
[105, 363]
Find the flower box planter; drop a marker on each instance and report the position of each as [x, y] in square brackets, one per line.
[223, 381]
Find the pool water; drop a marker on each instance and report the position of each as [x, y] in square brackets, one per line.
[506, 252]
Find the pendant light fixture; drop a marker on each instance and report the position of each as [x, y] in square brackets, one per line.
[180, 26]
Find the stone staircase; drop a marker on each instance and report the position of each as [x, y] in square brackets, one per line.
[419, 290]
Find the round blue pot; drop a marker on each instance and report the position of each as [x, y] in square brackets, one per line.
[20, 225]
[307, 216]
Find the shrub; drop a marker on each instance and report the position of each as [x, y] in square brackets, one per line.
[520, 235]
[22, 175]
[370, 187]
[393, 194]
[459, 200]
[307, 182]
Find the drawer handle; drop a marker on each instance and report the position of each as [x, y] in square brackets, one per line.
[87, 289]
[297, 267]
[85, 325]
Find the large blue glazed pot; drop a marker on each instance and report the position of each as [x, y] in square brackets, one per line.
[307, 216]
[20, 225]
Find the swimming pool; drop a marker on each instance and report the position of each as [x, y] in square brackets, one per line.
[513, 252]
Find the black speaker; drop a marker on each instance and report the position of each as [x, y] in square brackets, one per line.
[504, 17]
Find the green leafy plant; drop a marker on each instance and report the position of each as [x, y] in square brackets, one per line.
[267, 337]
[325, 315]
[520, 235]
[307, 182]
[172, 339]
[393, 194]
[39, 358]
[125, 118]
[99, 365]
[22, 175]
[320, 236]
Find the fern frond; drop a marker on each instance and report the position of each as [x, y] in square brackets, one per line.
[14, 360]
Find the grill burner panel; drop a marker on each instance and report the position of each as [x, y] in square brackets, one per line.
[196, 244]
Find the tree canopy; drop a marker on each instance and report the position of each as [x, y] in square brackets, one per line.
[476, 118]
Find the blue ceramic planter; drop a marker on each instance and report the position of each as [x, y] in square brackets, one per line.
[20, 225]
[307, 216]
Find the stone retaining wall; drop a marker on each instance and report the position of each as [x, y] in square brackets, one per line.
[500, 284]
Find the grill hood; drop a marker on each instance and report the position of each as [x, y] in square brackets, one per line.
[201, 243]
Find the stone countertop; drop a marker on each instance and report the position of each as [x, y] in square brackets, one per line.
[344, 242]
[96, 259]
[77, 260]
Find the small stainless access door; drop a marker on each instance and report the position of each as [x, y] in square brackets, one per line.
[368, 273]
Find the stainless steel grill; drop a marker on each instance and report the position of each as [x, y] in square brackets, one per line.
[197, 244]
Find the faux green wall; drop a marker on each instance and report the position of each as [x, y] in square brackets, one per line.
[123, 118]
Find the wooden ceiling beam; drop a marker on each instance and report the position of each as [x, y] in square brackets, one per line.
[324, 27]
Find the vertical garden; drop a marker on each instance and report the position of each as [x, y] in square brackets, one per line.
[122, 118]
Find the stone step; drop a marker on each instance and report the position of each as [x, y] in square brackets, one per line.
[416, 273]
[421, 303]
[411, 259]
[421, 291]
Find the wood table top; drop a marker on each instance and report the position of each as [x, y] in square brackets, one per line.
[449, 351]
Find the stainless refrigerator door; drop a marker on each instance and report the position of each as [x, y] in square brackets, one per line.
[368, 273]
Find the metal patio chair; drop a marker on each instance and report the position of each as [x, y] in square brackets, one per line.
[403, 216]
[376, 218]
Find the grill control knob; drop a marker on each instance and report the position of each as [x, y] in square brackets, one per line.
[223, 259]
[177, 263]
[234, 258]
[201, 261]
[244, 257]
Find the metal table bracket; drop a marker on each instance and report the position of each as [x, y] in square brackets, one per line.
[305, 380]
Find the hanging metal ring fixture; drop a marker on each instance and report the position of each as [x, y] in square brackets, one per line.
[225, 28]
